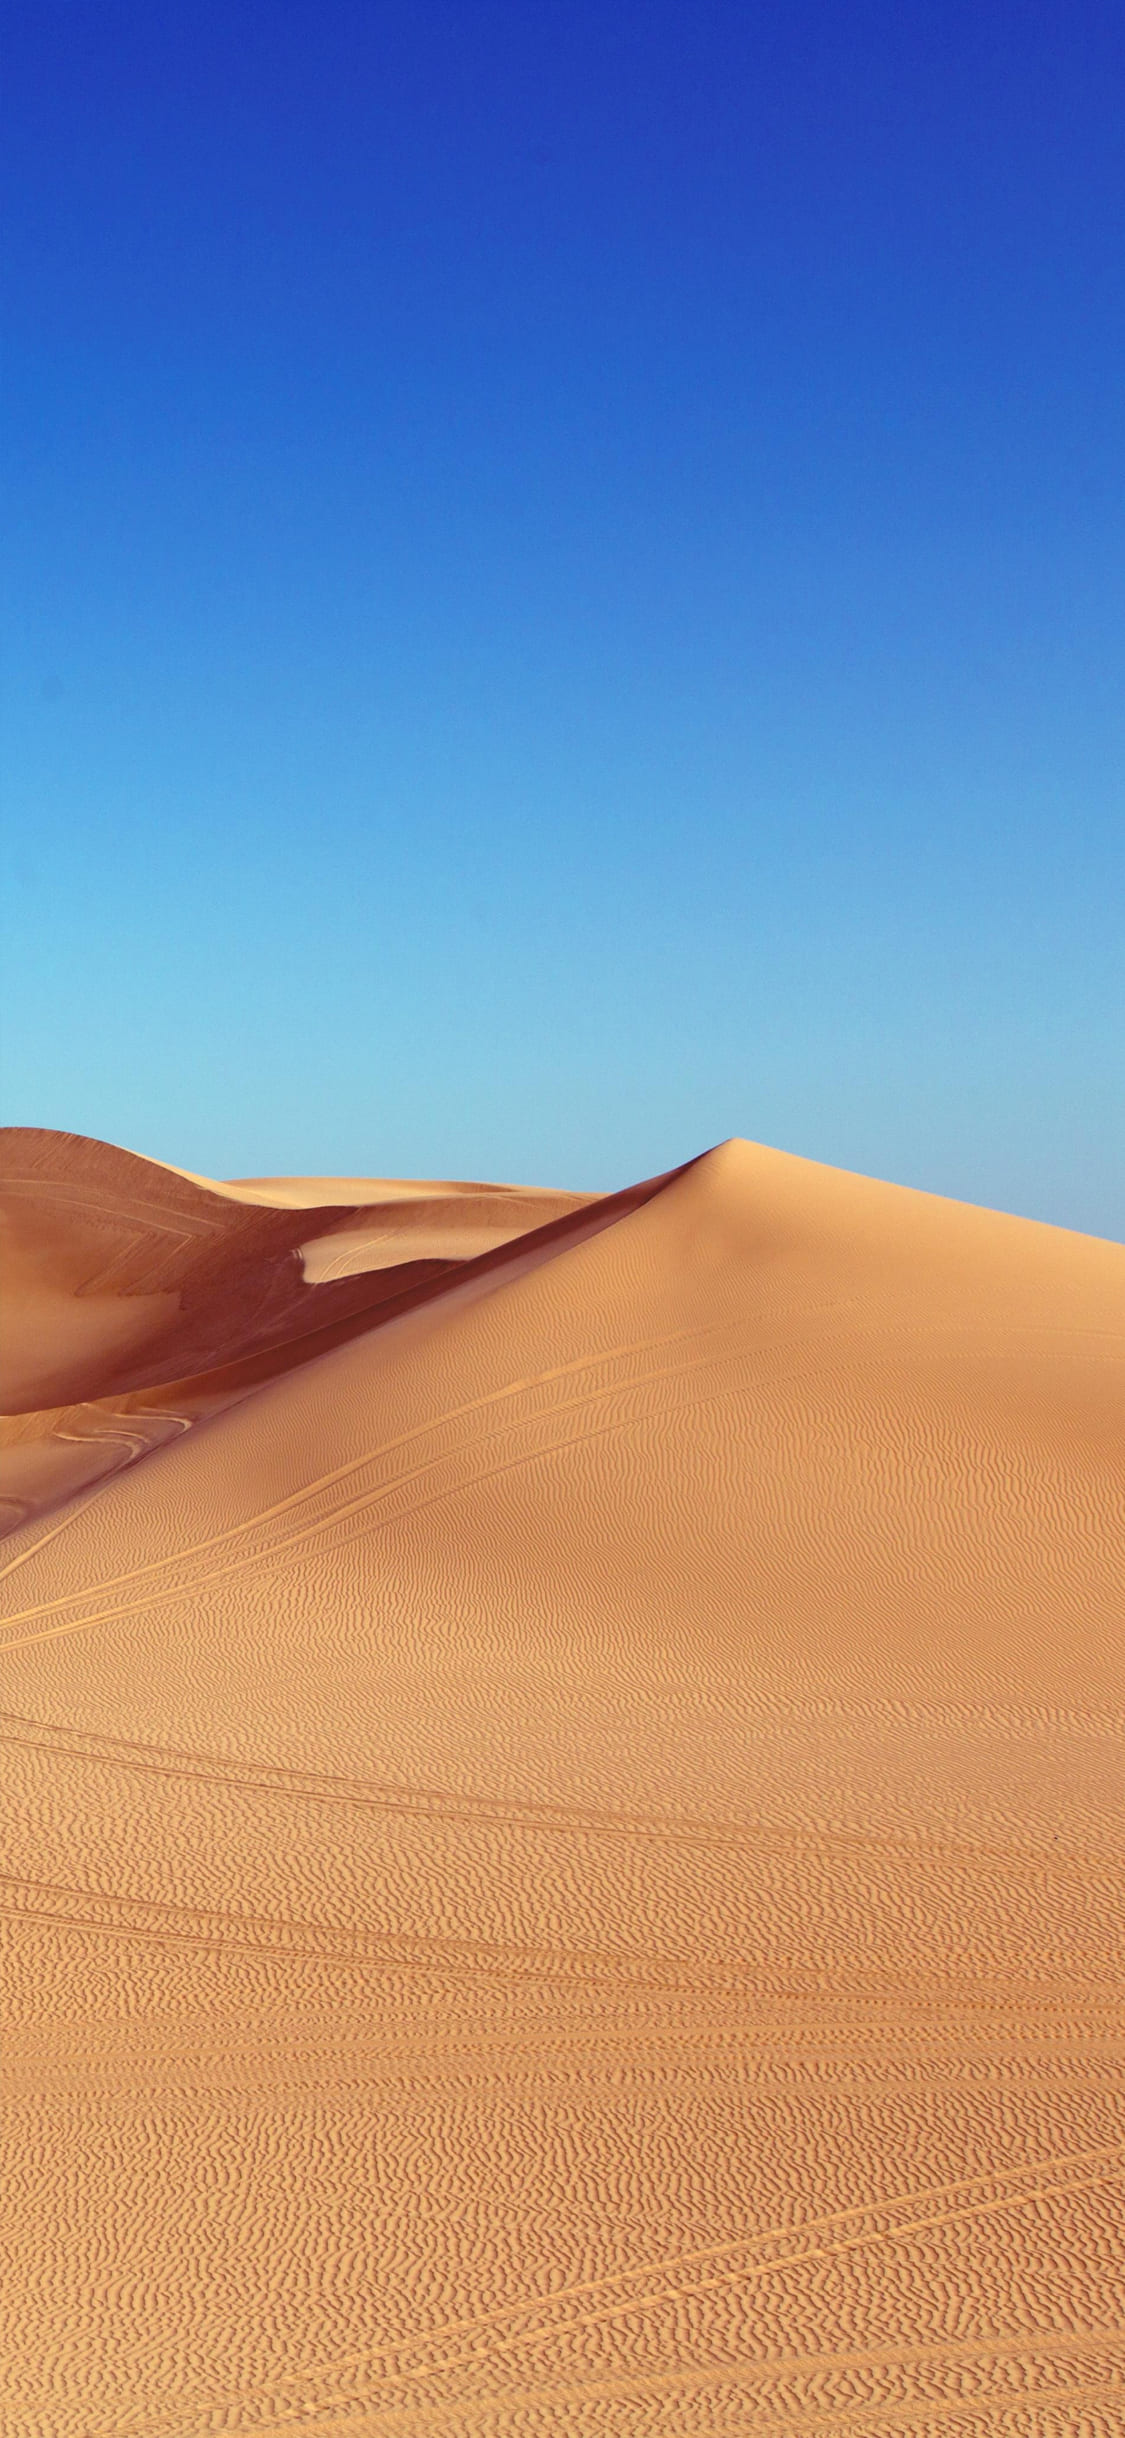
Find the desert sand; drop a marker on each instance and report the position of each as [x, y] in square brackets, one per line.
[564, 1820]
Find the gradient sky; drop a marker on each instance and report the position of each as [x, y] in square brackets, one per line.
[565, 586]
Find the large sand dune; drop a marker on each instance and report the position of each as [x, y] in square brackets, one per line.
[564, 1855]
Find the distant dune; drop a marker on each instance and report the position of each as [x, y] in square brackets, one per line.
[564, 1818]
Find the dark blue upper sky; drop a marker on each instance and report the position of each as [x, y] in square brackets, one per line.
[565, 586]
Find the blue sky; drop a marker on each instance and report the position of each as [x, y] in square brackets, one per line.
[565, 587]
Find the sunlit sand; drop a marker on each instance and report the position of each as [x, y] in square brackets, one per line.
[564, 1819]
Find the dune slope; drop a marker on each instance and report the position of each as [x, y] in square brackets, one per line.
[138, 1299]
[564, 1856]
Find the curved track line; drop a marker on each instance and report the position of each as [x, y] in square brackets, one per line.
[326, 1481]
[359, 1506]
[436, 1805]
[294, 1938]
[754, 2274]
[668, 2264]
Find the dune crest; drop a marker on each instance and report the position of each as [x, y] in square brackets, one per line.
[565, 1833]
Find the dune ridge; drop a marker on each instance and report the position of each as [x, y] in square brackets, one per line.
[564, 1844]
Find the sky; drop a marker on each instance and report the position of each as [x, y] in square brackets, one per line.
[564, 587]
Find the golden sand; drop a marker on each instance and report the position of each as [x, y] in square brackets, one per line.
[564, 1819]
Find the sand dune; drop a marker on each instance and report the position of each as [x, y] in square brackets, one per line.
[563, 1854]
[139, 1298]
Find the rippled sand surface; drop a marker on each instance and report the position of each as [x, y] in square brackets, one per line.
[564, 1834]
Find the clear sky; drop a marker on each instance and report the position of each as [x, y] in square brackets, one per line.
[565, 586]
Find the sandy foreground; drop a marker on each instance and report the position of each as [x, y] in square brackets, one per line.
[563, 1832]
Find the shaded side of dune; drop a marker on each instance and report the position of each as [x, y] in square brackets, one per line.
[216, 1289]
